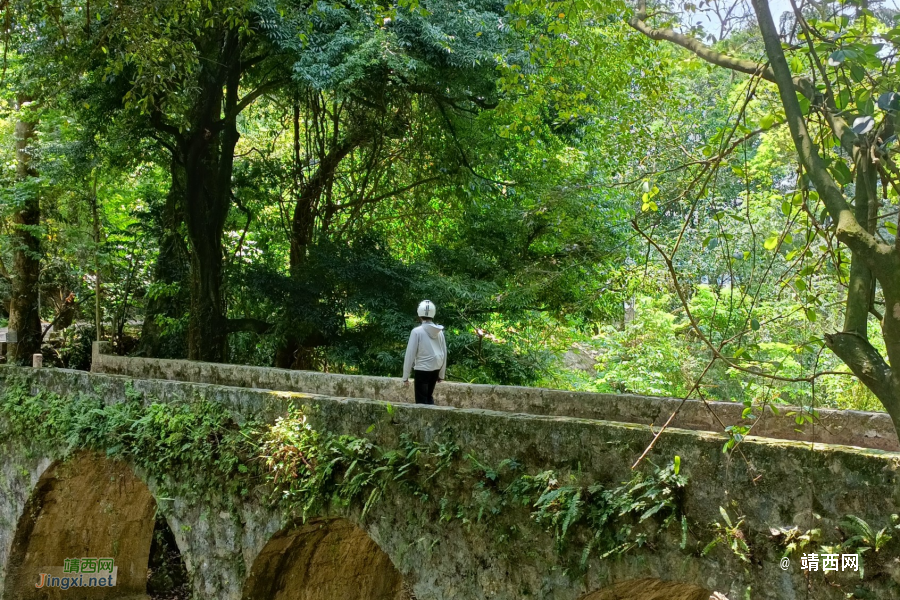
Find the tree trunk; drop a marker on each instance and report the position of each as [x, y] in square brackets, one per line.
[208, 158]
[171, 269]
[854, 230]
[207, 335]
[98, 289]
[24, 316]
[861, 286]
[293, 353]
[303, 220]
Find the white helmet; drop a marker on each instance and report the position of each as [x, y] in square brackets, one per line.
[426, 309]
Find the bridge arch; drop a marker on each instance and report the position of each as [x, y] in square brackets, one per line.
[323, 560]
[650, 588]
[86, 506]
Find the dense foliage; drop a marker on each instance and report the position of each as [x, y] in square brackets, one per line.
[295, 466]
[306, 472]
[591, 193]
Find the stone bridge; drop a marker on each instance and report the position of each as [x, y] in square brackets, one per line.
[501, 493]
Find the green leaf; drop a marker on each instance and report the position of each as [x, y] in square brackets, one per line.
[677, 464]
[837, 58]
[725, 516]
[754, 324]
[843, 99]
[864, 102]
[841, 172]
[771, 242]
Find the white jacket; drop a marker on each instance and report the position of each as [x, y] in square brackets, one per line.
[426, 351]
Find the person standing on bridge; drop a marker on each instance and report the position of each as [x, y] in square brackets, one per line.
[426, 354]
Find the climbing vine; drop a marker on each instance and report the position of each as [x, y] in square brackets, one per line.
[309, 472]
[603, 521]
[170, 442]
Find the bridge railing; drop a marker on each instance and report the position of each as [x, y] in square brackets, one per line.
[852, 428]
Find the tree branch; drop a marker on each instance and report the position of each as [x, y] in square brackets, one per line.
[252, 96]
[462, 153]
[877, 256]
[172, 149]
[390, 194]
[804, 86]
[156, 119]
[248, 324]
[716, 349]
[849, 139]
[868, 365]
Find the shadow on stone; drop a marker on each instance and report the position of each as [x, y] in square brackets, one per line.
[324, 560]
[653, 589]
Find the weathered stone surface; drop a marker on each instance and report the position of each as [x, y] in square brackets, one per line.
[113, 515]
[854, 428]
[650, 589]
[20, 470]
[324, 560]
[770, 484]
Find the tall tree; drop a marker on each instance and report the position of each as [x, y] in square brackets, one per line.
[24, 314]
[191, 69]
[375, 104]
[835, 73]
[188, 70]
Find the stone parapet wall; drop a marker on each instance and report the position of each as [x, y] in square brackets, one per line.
[852, 428]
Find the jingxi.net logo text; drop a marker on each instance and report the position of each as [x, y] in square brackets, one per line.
[79, 572]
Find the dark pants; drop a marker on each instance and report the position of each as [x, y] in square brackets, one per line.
[424, 382]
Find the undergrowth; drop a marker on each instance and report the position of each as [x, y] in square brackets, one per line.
[195, 449]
